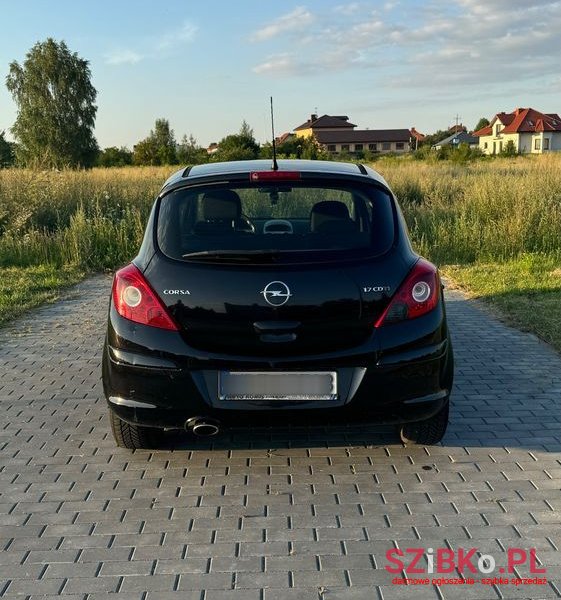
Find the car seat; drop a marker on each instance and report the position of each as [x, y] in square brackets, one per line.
[331, 216]
[222, 213]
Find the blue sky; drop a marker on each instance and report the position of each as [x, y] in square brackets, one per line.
[206, 66]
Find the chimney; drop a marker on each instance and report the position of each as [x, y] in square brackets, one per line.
[518, 111]
[313, 117]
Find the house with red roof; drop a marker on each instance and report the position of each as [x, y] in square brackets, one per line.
[529, 130]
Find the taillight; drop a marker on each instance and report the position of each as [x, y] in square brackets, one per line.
[416, 296]
[135, 300]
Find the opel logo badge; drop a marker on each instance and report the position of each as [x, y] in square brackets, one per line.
[276, 293]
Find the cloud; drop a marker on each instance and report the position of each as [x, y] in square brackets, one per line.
[450, 45]
[482, 7]
[298, 19]
[156, 48]
[281, 65]
[352, 8]
[185, 34]
[123, 57]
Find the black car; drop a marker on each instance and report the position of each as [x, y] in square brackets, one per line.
[265, 295]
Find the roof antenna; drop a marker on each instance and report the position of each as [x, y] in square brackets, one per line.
[275, 165]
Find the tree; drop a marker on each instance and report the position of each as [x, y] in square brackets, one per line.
[146, 152]
[291, 148]
[246, 132]
[239, 146]
[7, 154]
[190, 153]
[56, 111]
[483, 122]
[434, 138]
[310, 149]
[297, 147]
[115, 157]
[509, 149]
[165, 142]
[159, 148]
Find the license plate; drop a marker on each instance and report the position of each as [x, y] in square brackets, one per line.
[311, 385]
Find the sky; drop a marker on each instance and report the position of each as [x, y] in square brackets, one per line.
[207, 66]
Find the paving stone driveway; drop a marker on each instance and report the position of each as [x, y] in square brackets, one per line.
[269, 514]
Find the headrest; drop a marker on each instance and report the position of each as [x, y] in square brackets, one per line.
[221, 205]
[327, 210]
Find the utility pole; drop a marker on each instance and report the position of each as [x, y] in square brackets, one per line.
[457, 121]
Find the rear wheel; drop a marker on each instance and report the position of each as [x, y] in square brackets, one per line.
[427, 432]
[134, 437]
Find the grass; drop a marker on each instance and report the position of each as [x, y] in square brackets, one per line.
[22, 288]
[493, 225]
[526, 292]
[486, 211]
[91, 219]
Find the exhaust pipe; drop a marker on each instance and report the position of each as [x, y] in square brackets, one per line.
[202, 426]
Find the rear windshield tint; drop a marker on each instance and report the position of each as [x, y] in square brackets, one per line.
[280, 223]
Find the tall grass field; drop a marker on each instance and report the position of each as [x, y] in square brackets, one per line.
[471, 219]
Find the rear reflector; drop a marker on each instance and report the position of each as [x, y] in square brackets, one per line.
[136, 301]
[274, 175]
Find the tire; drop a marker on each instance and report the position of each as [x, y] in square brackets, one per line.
[133, 437]
[427, 432]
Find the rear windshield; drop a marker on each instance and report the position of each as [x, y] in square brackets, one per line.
[280, 223]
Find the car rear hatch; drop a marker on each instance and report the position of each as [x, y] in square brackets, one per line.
[276, 269]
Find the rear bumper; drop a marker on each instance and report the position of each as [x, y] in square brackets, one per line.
[397, 412]
[401, 375]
